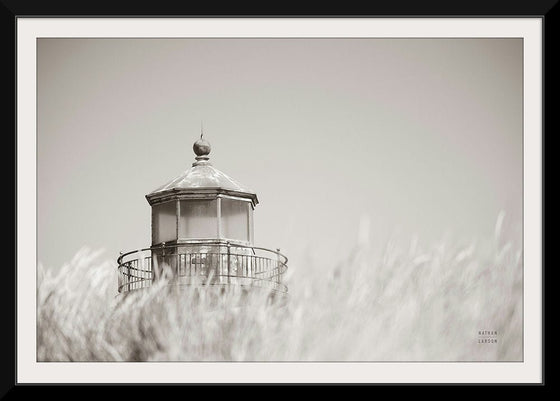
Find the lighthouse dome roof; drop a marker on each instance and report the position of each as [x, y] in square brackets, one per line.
[201, 179]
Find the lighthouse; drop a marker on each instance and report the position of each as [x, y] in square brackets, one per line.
[202, 234]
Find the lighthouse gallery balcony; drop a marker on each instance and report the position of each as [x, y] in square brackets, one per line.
[203, 264]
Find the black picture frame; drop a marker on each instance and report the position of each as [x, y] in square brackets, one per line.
[10, 10]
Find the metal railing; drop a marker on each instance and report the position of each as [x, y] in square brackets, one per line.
[203, 264]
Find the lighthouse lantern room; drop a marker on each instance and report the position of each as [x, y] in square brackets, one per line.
[202, 205]
[202, 234]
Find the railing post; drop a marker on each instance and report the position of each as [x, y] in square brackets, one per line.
[228, 262]
[121, 274]
[220, 264]
[163, 264]
[278, 265]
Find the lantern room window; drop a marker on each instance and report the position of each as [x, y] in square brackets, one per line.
[236, 219]
[164, 220]
[198, 219]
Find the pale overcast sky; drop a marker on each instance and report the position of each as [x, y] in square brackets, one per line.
[417, 136]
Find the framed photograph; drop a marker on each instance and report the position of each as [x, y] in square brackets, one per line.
[279, 199]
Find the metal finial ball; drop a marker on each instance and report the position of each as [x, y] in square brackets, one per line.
[201, 147]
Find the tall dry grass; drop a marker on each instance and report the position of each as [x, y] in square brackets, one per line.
[393, 304]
